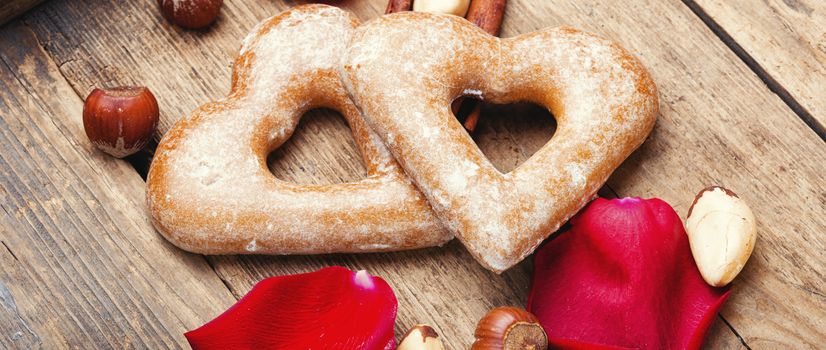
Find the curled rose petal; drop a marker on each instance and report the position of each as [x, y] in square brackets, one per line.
[623, 277]
[332, 308]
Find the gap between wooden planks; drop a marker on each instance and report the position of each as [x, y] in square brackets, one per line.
[707, 97]
[783, 41]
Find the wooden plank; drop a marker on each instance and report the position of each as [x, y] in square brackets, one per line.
[12, 8]
[785, 40]
[719, 124]
[82, 266]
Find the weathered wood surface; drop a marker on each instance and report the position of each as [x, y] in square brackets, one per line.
[786, 39]
[81, 265]
[12, 8]
[719, 124]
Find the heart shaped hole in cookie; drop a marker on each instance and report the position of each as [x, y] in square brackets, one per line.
[321, 151]
[507, 134]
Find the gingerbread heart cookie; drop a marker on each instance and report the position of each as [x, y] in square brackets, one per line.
[403, 71]
[209, 189]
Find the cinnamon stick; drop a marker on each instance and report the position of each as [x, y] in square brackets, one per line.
[487, 14]
[394, 6]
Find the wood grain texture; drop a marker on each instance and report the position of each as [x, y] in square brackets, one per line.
[720, 337]
[13, 8]
[82, 266]
[719, 124]
[786, 39]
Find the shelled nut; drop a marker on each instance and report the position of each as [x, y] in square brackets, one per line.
[451, 7]
[722, 231]
[421, 337]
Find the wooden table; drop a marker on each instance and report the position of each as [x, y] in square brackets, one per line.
[743, 104]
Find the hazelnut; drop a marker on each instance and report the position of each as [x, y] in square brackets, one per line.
[421, 337]
[191, 14]
[450, 7]
[510, 328]
[722, 231]
[120, 121]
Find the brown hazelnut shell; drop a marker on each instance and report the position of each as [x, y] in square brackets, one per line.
[191, 14]
[509, 328]
[120, 121]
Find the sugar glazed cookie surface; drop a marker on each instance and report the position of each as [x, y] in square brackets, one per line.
[209, 189]
[403, 71]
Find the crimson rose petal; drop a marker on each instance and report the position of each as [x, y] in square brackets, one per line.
[623, 277]
[332, 308]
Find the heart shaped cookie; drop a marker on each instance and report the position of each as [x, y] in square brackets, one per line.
[403, 71]
[209, 189]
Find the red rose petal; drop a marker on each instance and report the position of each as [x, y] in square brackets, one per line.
[623, 277]
[332, 308]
